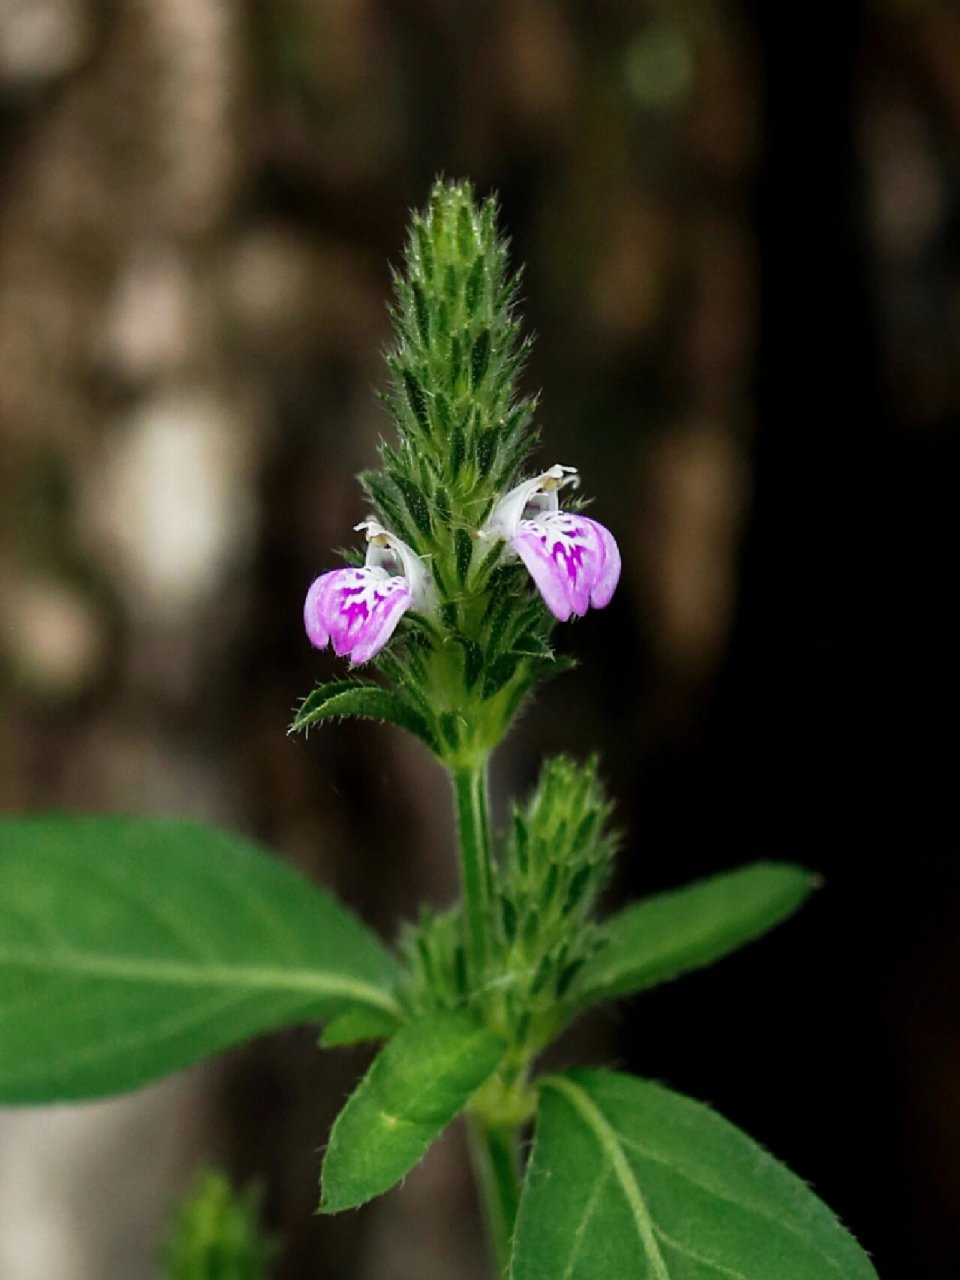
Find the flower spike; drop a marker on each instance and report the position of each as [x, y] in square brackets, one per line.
[358, 608]
[574, 561]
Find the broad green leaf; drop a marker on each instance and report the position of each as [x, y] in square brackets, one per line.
[130, 949]
[659, 938]
[630, 1179]
[414, 1088]
[362, 699]
[358, 1025]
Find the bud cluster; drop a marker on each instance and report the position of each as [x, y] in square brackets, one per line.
[555, 865]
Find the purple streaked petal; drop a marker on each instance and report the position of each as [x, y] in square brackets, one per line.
[532, 544]
[393, 599]
[601, 593]
[313, 610]
[578, 549]
[355, 608]
[573, 560]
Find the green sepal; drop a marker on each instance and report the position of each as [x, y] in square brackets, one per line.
[415, 1087]
[664, 936]
[358, 1025]
[628, 1178]
[366, 701]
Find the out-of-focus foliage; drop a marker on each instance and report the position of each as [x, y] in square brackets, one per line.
[216, 1234]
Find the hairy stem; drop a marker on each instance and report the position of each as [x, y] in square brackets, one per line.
[496, 1160]
[473, 820]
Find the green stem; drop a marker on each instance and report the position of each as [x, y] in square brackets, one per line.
[473, 820]
[497, 1163]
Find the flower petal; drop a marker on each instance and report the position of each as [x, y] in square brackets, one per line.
[563, 556]
[313, 615]
[565, 553]
[393, 599]
[357, 609]
[601, 593]
[530, 544]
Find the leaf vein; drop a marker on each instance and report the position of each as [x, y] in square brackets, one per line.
[607, 1137]
[581, 1231]
[171, 973]
[685, 1249]
[747, 1207]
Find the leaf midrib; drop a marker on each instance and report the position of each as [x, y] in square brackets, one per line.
[614, 1143]
[605, 1135]
[747, 1206]
[171, 973]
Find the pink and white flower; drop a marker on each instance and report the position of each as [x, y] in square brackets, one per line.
[574, 561]
[357, 609]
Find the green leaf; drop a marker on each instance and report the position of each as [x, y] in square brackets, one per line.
[365, 700]
[130, 949]
[414, 1088]
[630, 1179]
[672, 933]
[357, 1026]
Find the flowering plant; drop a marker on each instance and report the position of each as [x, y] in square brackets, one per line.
[130, 949]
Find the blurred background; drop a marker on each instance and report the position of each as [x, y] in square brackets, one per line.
[742, 243]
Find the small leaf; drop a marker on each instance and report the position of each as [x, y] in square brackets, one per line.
[487, 449]
[421, 311]
[480, 358]
[416, 399]
[414, 1088]
[458, 444]
[661, 937]
[472, 659]
[474, 286]
[362, 699]
[630, 1179]
[466, 241]
[132, 948]
[357, 1026]
[456, 358]
[499, 673]
[423, 248]
[463, 546]
[416, 504]
[487, 565]
[386, 496]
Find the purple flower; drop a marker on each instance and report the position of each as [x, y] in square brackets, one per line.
[574, 560]
[358, 608]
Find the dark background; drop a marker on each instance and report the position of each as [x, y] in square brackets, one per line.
[741, 231]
